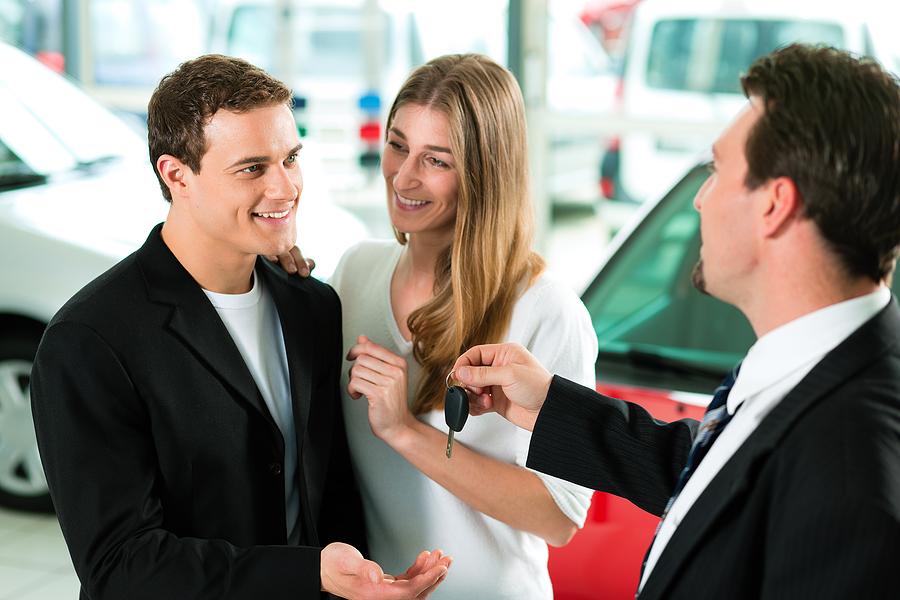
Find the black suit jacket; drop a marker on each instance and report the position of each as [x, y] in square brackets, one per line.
[809, 505]
[162, 459]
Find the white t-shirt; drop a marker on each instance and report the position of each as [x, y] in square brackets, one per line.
[252, 320]
[407, 512]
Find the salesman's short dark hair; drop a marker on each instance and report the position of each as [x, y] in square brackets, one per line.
[832, 124]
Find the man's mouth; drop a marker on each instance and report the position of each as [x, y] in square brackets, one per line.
[273, 215]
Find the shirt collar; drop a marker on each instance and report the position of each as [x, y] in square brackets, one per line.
[800, 342]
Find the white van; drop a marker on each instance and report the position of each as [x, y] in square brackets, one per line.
[681, 78]
[344, 60]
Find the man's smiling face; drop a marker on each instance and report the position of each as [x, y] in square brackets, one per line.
[244, 198]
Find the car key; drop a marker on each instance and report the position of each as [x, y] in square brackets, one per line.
[456, 411]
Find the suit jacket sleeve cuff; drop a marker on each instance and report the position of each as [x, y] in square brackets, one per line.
[562, 438]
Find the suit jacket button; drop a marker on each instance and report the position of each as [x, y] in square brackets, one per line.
[275, 469]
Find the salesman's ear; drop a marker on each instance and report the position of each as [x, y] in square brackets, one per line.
[172, 171]
[782, 205]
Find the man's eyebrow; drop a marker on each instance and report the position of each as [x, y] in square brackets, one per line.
[400, 134]
[247, 160]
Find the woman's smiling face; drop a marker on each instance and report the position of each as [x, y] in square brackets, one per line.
[420, 172]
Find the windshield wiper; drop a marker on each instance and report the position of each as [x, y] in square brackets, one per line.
[649, 359]
[87, 165]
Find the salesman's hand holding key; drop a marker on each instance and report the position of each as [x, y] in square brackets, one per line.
[506, 379]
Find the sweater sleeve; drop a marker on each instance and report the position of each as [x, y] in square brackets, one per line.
[555, 326]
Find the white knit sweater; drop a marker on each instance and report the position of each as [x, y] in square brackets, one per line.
[405, 511]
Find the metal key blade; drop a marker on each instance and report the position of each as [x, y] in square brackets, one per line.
[456, 410]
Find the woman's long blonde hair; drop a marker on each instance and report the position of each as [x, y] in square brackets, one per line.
[490, 262]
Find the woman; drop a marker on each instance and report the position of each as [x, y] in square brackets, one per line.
[463, 273]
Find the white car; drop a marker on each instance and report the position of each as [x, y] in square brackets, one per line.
[683, 62]
[77, 194]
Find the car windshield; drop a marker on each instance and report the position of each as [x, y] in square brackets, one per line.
[646, 312]
[50, 125]
[708, 55]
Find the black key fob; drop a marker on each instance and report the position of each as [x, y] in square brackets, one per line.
[456, 407]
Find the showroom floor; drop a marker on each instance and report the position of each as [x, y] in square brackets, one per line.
[34, 562]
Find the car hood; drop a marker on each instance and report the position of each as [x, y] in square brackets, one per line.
[109, 210]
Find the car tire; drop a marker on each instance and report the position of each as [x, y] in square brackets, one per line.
[22, 482]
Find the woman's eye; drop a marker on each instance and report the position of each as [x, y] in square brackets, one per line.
[438, 163]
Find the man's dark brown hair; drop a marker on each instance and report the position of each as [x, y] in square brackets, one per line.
[832, 125]
[186, 99]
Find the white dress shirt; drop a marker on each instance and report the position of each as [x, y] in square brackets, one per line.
[775, 364]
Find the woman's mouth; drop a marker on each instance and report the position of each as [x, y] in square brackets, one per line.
[409, 203]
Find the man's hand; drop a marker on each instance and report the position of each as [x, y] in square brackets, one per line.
[347, 574]
[504, 378]
[294, 263]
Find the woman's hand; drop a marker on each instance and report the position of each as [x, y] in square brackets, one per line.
[293, 262]
[380, 376]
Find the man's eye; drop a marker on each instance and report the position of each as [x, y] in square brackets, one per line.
[395, 145]
[291, 159]
[250, 169]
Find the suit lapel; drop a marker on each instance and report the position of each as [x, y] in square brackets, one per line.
[195, 322]
[292, 307]
[870, 341]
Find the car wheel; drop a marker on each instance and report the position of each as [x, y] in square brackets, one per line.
[22, 482]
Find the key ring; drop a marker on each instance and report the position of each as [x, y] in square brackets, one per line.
[447, 380]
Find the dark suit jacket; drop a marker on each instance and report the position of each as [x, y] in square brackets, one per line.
[809, 505]
[163, 462]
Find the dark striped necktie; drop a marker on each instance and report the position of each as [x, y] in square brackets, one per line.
[714, 421]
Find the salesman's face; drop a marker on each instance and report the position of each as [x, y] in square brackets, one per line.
[244, 198]
[728, 255]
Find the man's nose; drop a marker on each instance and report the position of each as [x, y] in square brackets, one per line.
[283, 183]
[698, 197]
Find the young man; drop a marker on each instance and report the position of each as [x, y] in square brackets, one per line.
[188, 418]
[791, 489]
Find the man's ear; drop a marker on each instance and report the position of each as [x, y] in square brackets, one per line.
[172, 171]
[783, 204]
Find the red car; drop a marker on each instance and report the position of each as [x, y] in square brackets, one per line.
[663, 345]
